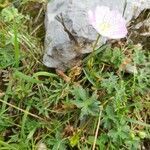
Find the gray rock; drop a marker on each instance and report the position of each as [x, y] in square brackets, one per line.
[68, 32]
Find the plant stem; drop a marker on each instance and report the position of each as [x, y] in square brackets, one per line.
[98, 37]
[92, 54]
[16, 45]
[97, 129]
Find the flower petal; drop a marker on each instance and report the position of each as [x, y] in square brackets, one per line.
[117, 33]
[108, 23]
[101, 13]
[91, 17]
[118, 26]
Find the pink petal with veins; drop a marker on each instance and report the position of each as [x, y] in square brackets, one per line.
[116, 23]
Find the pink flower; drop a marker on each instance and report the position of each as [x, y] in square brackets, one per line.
[108, 23]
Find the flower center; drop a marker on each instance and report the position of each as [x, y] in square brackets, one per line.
[104, 27]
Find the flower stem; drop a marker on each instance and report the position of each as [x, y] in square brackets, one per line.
[90, 61]
[98, 37]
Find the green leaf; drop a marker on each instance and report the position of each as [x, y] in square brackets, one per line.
[110, 83]
[74, 140]
[10, 13]
[27, 78]
[80, 93]
[6, 57]
[88, 105]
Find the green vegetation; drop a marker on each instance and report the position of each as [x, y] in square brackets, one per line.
[102, 106]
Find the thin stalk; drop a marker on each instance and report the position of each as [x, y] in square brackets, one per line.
[16, 45]
[97, 129]
[98, 37]
[94, 46]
